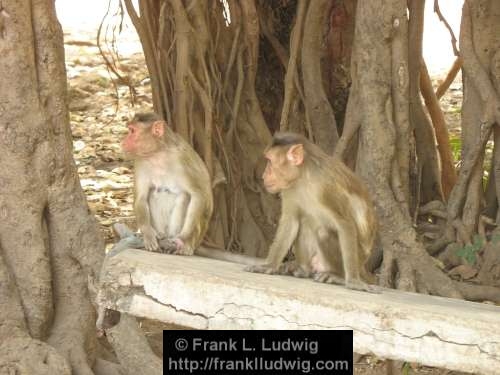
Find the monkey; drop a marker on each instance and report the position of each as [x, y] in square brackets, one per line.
[173, 199]
[327, 216]
[324, 205]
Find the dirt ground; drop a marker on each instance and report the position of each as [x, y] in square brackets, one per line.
[100, 108]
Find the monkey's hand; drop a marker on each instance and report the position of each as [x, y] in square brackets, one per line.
[263, 268]
[150, 239]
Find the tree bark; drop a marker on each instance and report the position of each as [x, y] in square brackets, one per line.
[450, 77]
[479, 31]
[448, 173]
[132, 348]
[430, 183]
[50, 245]
[49, 241]
[406, 264]
[317, 105]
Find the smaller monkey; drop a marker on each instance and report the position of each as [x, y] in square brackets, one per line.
[327, 217]
[173, 199]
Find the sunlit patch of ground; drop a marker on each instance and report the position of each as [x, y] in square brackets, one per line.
[99, 109]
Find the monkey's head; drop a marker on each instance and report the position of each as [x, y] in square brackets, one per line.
[285, 157]
[145, 136]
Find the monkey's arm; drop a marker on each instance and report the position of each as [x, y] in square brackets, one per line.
[195, 207]
[349, 248]
[288, 228]
[176, 221]
[143, 213]
[188, 238]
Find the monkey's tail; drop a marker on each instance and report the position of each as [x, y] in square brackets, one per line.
[228, 256]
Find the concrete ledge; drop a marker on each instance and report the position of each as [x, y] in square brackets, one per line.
[208, 294]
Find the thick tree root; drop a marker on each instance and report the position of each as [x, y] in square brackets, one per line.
[416, 274]
[103, 367]
[480, 293]
[27, 356]
[132, 348]
[423, 276]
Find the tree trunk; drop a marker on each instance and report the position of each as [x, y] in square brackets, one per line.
[427, 156]
[406, 264]
[480, 55]
[50, 245]
[479, 34]
[318, 107]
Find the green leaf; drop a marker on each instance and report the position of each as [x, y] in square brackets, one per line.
[456, 146]
[478, 241]
[468, 252]
[406, 369]
[471, 258]
[461, 252]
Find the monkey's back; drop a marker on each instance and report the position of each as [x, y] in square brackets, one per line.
[346, 194]
[198, 174]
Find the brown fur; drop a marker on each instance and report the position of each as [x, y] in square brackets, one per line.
[172, 196]
[327, 214]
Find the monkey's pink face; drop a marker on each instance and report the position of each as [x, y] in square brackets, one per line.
[129, 143]
[279, 174]
[141, 140]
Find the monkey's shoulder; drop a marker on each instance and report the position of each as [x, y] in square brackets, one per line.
[330, 199]
[186, 156]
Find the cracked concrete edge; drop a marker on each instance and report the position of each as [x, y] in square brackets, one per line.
[176, 294]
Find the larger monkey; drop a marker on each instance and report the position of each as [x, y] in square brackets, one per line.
[172, 194]
[324, 207]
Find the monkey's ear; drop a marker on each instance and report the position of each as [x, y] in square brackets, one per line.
[158, 128]
[295, 154]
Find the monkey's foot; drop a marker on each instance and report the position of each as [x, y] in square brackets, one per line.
[268, 270]
[150, 239]
[167, 246]
[362, 286]
[294, 269]
[301, 273]
[184, 251]
[151, 246]
[328, 278]
[182, 248]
